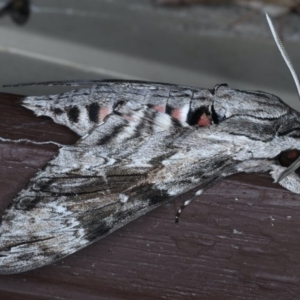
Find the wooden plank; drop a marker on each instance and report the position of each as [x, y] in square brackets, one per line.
[240, 240]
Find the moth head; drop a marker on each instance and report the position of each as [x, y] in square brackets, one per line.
[289, 158]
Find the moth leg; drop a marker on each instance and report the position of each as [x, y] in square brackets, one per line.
[26, 141]
[206, 185]
[185, 204]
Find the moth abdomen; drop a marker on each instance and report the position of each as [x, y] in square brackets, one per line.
[81, 110]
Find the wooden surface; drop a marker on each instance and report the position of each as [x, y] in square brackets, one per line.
[240, 240]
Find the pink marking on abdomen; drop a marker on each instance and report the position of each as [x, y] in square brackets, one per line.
[180, 113]
[204, 121]
[160, 108]
[103, 112]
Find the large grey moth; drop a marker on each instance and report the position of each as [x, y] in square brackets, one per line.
[141, 145]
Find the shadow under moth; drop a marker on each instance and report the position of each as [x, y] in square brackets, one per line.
[141, 145]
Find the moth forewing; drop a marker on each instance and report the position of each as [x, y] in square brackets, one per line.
[144, 150]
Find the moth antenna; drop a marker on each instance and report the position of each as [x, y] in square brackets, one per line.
[288, 62]
[60, 83]
[284, 54]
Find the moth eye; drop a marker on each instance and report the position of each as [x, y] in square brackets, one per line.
[286, 158]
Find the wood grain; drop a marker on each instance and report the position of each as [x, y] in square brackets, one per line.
[239, 240]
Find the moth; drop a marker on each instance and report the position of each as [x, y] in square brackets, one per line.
[141, 145]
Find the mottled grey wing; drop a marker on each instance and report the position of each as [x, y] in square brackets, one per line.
[141, 145]
[122, 169]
